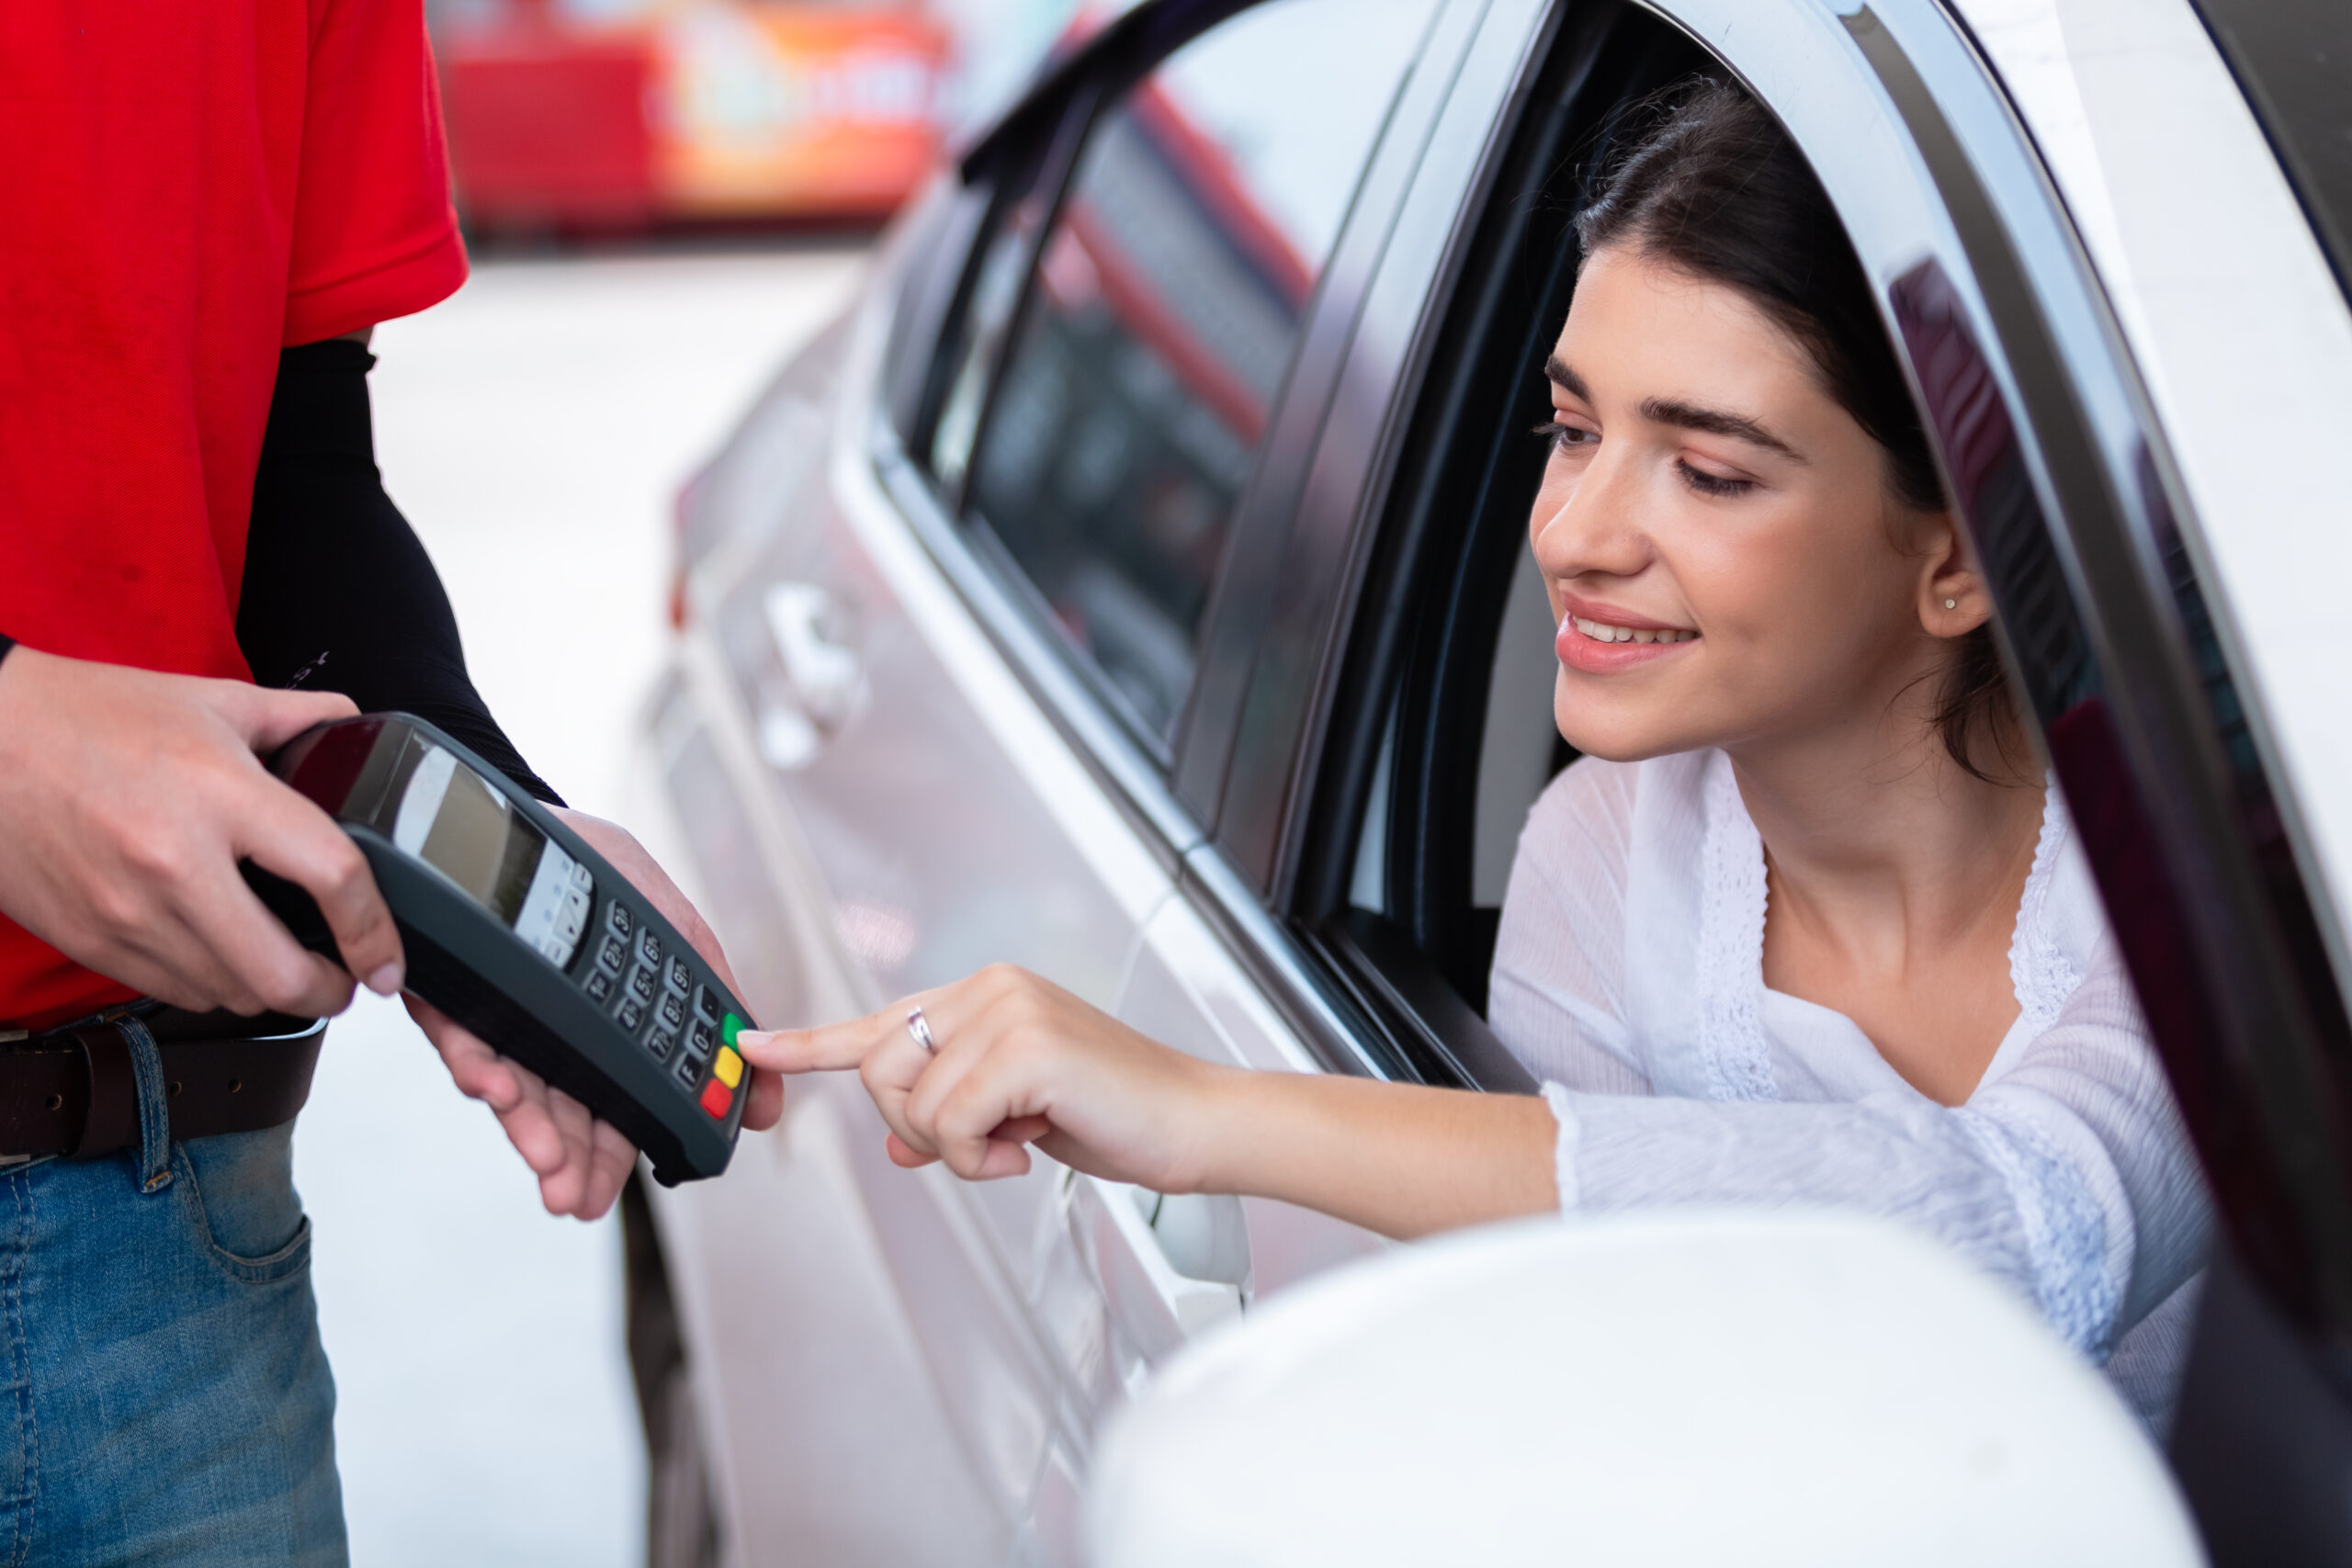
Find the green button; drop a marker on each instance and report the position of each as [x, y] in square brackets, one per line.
[728, 1028]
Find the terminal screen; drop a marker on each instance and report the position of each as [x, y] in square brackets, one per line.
[449, 819]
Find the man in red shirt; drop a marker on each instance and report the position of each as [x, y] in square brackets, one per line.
[190, 190]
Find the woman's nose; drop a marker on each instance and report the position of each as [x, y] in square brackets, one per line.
[1590, 524]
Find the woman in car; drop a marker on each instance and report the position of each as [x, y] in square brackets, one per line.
[1805, 926]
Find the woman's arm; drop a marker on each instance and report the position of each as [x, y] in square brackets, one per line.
[1021, 1061]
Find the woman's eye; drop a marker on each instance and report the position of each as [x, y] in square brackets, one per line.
[1706, 483]
[1561, 437]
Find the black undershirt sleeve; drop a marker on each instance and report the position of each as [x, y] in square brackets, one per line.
[339, 594]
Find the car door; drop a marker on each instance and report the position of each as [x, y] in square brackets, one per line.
[929, 694]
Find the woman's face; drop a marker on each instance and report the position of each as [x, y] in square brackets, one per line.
[1724, 556]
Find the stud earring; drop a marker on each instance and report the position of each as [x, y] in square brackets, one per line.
[1951, 603]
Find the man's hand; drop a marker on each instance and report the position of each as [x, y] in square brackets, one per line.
[582, 1162]
[128, 797]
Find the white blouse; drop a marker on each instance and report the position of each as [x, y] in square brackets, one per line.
[1629, 975]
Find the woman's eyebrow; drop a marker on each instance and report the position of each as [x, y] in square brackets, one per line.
[1714, 422]
[1556, 369]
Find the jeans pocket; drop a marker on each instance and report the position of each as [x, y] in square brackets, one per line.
[238, 1189]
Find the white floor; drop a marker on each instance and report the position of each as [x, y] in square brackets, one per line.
[534, 429]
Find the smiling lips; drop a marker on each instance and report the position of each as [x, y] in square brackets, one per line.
[1605, 648]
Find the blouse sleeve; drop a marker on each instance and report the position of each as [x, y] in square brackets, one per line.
[1557, 997]
[2071, 1176]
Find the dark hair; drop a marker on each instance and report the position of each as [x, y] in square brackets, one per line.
[1713, 188]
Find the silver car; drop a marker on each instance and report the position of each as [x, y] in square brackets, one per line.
[1134, 586]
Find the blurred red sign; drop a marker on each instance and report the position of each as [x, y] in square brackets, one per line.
[696, 109]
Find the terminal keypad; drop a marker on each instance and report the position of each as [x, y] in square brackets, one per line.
[656, 999]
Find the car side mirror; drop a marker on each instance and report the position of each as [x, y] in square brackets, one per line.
[1699, 1389]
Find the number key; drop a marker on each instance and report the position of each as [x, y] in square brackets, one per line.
[649, 948]
[641, 984]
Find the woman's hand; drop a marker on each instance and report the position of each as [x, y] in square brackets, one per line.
[1020, 1061]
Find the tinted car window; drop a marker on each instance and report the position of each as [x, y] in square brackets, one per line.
[1167, 300]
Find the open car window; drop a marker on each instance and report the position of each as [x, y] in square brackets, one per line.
[1441, 736]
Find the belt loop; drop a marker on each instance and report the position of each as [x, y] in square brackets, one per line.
[154, 1116]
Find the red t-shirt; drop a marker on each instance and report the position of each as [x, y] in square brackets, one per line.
[184, 188]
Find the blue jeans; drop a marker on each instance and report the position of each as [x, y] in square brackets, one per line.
[163, 1395]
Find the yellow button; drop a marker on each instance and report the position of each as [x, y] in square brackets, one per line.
[728, 1068]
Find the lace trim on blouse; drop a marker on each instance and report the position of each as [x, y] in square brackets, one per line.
[2041, 974]
[1731, 944]
[2065, 1233]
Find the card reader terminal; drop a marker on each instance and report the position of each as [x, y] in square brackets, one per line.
[519, 930]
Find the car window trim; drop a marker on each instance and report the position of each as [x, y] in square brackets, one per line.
[1043, 175]
[1325, 551]
[1234, 628]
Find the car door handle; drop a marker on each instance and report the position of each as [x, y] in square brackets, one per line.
[826, 676]
[1168, 1266]
[824, 680]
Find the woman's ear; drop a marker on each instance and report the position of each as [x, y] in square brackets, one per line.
[1952, 600]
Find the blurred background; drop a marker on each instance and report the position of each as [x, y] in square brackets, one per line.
[664, 198]
[614, 116]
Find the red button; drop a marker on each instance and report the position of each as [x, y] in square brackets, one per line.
[717, 1096]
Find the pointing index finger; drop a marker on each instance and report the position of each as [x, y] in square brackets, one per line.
[829, 1047]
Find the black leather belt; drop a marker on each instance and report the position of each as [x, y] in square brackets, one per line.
[72, 1091]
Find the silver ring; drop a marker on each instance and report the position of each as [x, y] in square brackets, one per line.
[920, 1026]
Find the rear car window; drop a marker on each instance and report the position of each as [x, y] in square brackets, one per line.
[1166, 302]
